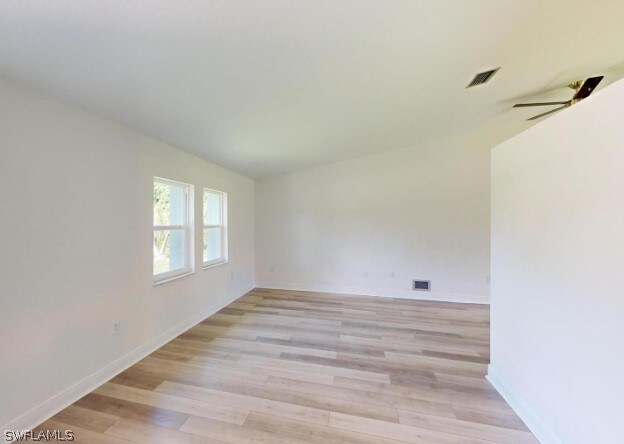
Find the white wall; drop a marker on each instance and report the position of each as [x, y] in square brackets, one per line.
[76, 252]
[557, 304]
[372, 224]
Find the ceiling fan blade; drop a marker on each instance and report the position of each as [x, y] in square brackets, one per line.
[545, 114]
[588, 87]
[523, 105]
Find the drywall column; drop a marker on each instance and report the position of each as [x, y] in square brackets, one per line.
[557, 297]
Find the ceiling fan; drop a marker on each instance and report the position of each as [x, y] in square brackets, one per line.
[583, 90]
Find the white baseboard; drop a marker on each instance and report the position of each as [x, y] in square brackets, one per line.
[401, 294]
[67, 397]
[530, 417]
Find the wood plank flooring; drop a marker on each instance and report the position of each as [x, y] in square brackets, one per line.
[297, 367]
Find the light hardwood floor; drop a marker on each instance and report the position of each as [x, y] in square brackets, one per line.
[287, 366]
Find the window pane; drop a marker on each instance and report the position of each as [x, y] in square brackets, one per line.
[169, 204]
[212, 208]
[169, 250]
[212, 244]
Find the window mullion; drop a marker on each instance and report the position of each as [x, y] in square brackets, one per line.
[170, 227]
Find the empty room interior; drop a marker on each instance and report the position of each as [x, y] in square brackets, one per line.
[312, 221]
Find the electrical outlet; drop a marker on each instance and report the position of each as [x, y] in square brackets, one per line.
[232, 275]
[366, 274]
[392, 274]
[116, 328]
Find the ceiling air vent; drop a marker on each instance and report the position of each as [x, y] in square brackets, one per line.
[482, 77]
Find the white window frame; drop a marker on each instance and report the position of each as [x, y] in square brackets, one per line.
[189, 266]
[223, 259]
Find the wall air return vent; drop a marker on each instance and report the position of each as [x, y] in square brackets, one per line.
[483, 77]
[421, 285]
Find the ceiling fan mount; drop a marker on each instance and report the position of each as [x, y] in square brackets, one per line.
[582, 88]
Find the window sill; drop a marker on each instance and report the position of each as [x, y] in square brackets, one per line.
[215, 264]
[173, 278]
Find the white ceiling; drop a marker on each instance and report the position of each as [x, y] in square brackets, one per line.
[267, 86]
